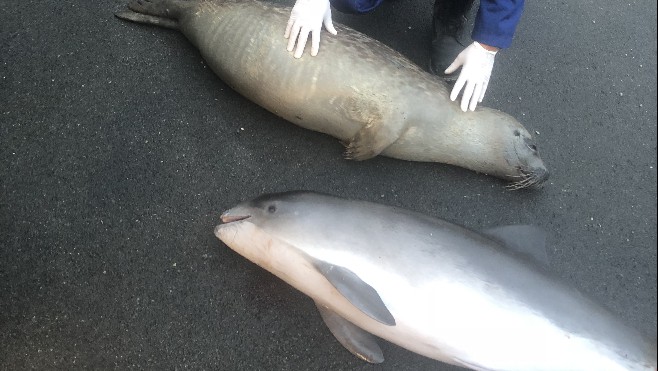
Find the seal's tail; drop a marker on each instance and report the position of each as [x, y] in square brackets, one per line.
[163, 13]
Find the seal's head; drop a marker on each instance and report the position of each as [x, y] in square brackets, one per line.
[511, 149]
[531, 169]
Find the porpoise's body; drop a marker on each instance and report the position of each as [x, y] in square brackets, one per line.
[459, 296]
[357, 89]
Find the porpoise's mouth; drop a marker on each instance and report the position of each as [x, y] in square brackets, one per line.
[227, 223]
[233, 218]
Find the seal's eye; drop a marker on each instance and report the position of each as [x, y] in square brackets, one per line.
[271, 209]
[517, 133]
[532, 147]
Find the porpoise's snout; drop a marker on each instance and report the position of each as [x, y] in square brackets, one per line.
[227, 217]
[218, 230]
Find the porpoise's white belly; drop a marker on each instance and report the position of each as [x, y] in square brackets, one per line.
[447, 318]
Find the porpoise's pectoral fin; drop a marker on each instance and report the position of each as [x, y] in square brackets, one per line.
[525, 239]
[356, 291]
[359, 342]
[370, 141]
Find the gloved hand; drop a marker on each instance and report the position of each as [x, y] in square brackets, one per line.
[476, 63]
[308, 16]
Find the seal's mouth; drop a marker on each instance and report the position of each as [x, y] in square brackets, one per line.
[533, 178]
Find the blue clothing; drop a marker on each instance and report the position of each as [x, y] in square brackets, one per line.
[355, 6]
[495, 22]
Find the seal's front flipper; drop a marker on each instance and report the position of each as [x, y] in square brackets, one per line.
[357, 341]
[370, 141]
[356, 291]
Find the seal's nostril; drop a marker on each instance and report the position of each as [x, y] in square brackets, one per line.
[541, 175]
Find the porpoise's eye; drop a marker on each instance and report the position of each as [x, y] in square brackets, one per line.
[271, 209]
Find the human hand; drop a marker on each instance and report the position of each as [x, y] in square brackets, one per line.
[476, 63]
[307, 16]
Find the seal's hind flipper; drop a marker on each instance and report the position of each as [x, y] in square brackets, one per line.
[130, 15]
[162, 8]
[162, 13]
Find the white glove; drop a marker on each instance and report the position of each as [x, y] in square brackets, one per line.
[477, 63]
[308, 16]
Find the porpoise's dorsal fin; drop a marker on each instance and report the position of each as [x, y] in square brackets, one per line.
[525, 239]
[358, 292]
[359, 342]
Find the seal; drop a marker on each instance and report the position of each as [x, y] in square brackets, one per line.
[359, 90]
[485, 300]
